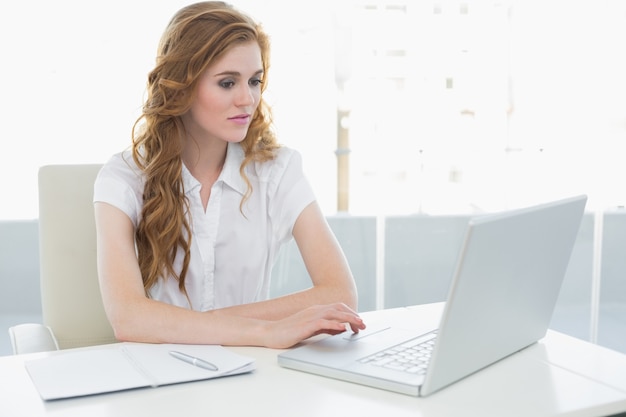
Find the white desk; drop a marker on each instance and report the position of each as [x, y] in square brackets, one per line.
[559, 375]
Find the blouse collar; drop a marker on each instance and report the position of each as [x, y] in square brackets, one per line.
[230, 172]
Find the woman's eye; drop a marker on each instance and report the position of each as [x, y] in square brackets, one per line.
[256, 82]
[227, 84]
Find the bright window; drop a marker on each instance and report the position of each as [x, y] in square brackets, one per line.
[433, 107]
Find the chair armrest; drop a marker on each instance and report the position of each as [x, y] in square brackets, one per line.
[31, 338]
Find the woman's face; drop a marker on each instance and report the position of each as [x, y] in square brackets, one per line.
[228, 94]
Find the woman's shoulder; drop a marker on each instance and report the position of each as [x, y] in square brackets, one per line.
[286, 152]
[120, 184]
[285, 158]
[122, 167]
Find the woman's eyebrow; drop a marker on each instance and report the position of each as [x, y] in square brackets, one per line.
[235, 73]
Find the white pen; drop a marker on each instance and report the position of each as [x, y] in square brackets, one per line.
[200, 363]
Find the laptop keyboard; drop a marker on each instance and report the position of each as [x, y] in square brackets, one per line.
[412, 356]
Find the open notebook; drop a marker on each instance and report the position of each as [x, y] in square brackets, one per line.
[119, 367]
[504, 290]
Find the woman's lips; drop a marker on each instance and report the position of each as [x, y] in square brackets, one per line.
[240, 119]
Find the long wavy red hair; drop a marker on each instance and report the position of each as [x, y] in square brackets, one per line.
[197, 36]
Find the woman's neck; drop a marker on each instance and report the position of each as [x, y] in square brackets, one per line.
[205, 161]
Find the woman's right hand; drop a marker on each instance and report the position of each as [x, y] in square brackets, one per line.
[329, 319]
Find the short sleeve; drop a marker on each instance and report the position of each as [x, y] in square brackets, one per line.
[119, 183]
[289, 191]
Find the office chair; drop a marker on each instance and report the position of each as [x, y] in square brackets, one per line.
[73, 314]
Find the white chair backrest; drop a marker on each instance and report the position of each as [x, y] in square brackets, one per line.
[70, 293]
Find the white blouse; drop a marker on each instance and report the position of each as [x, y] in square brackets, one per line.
[231, 254]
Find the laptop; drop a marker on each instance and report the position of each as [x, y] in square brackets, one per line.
[505, 286]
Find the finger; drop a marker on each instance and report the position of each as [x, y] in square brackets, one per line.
[356, 327]
[341, 312]
[348, 316]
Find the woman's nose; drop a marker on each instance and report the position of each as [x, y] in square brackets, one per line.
[245, 96]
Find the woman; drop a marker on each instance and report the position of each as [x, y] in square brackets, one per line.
[190, 220]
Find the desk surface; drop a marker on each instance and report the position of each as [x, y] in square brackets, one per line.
[560, 375]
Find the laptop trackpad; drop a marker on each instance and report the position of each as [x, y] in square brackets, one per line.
[372, 338]
[369, 332]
